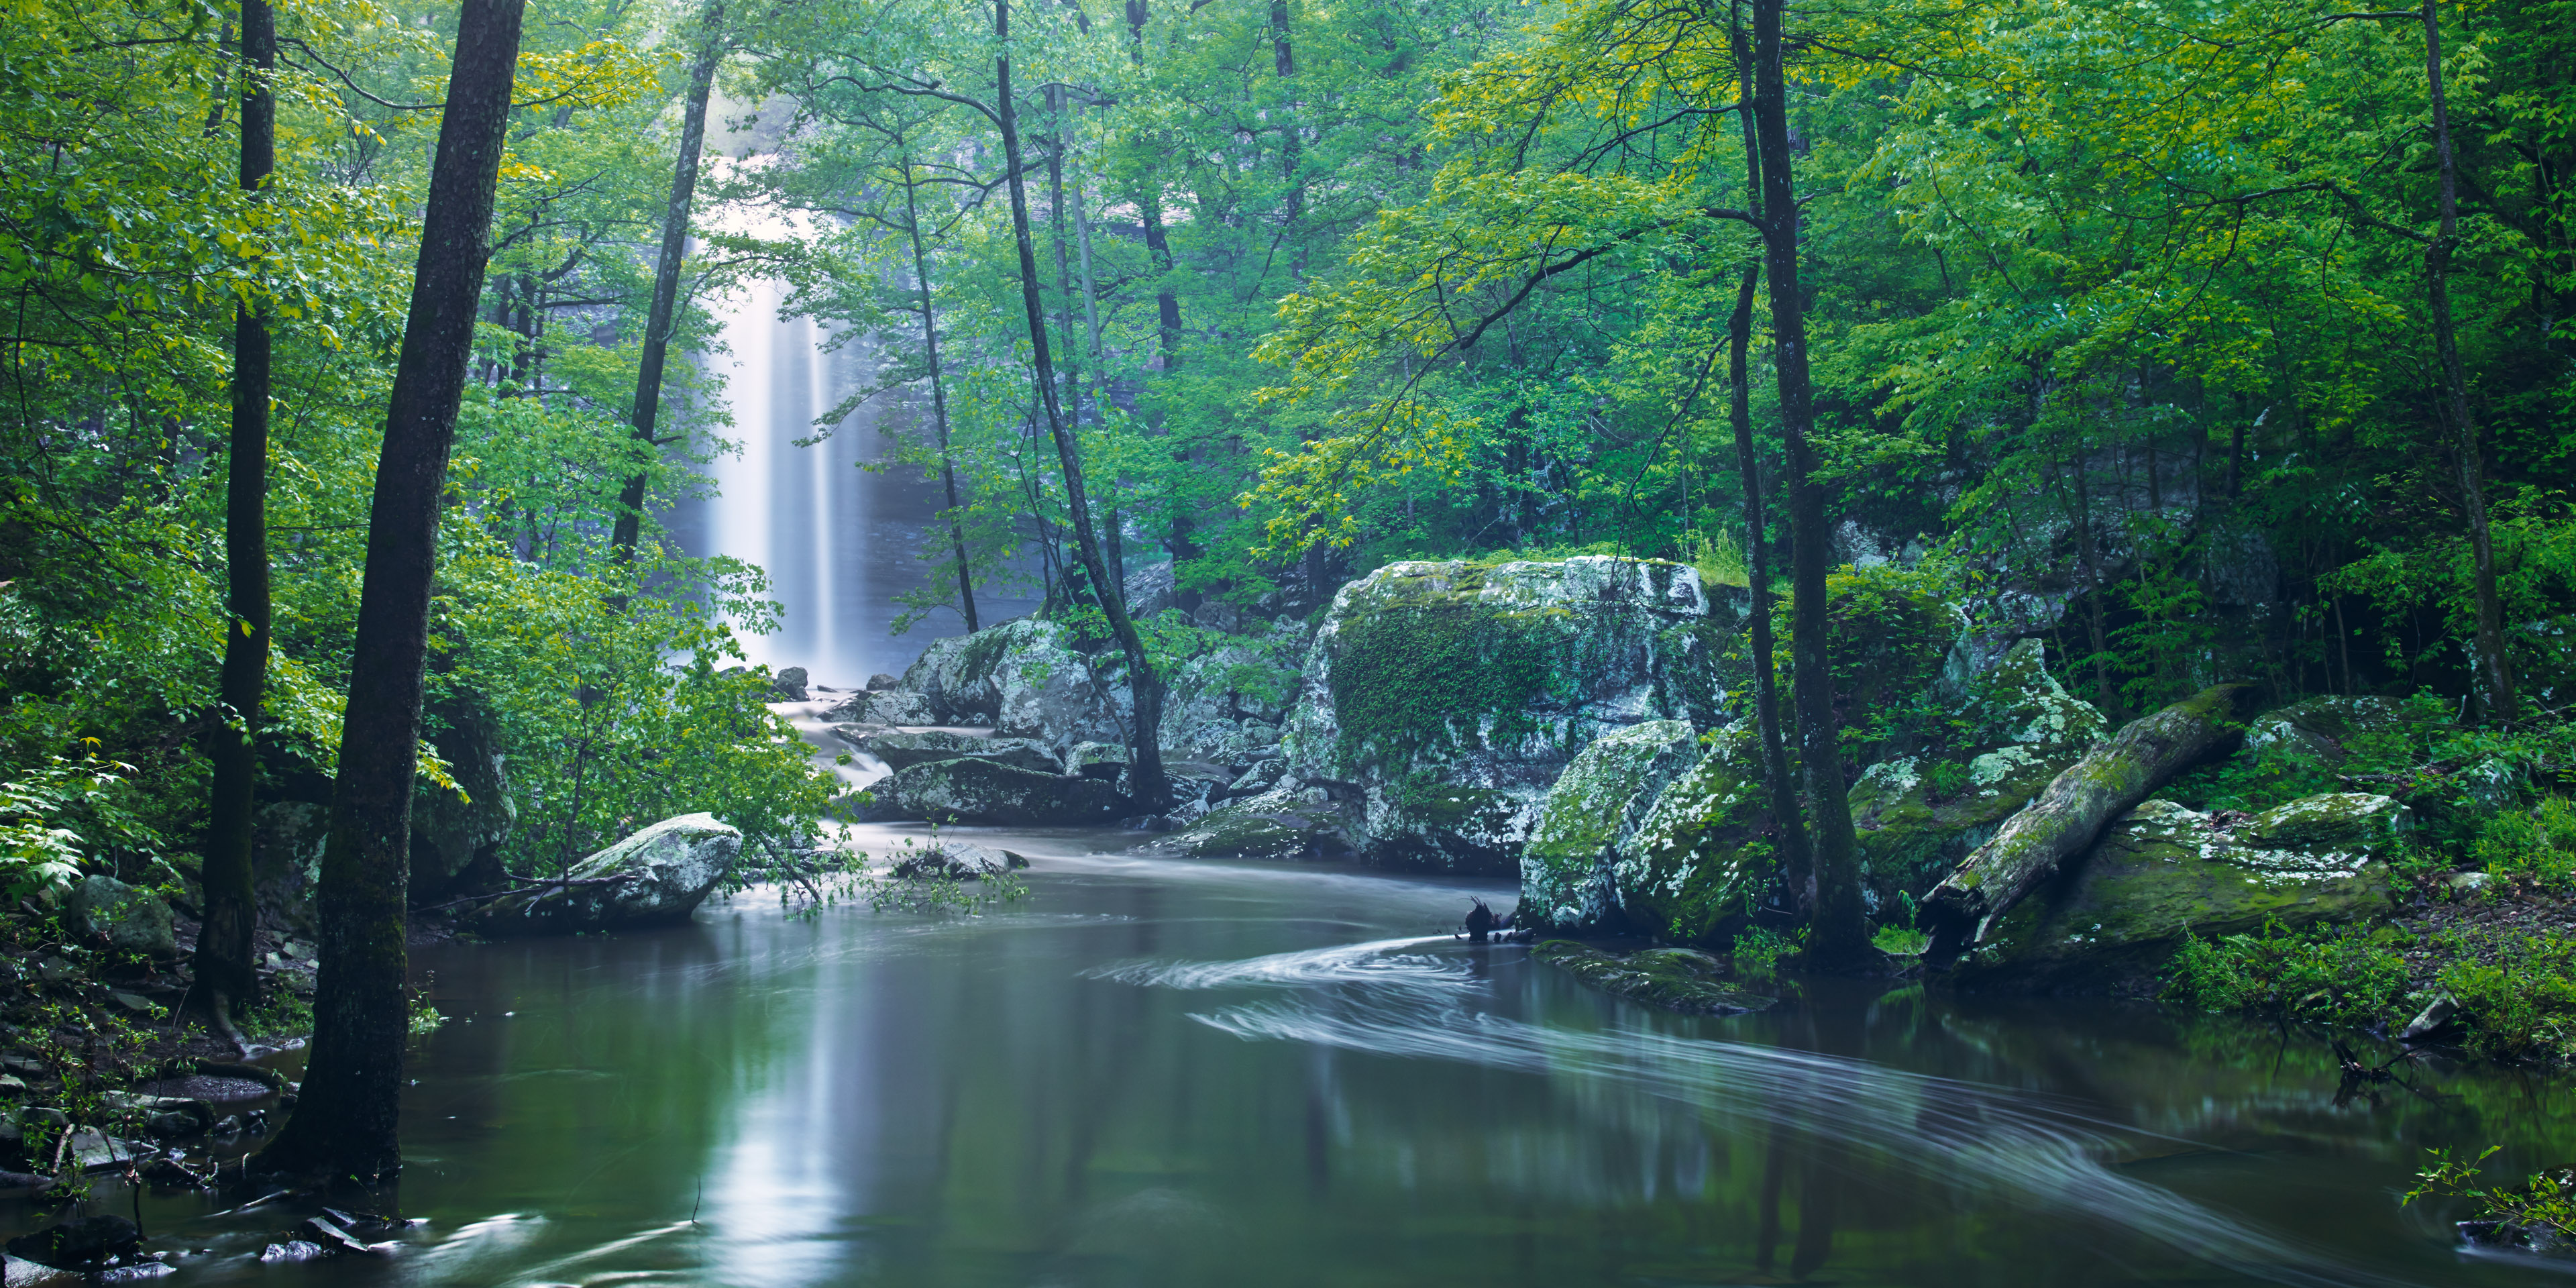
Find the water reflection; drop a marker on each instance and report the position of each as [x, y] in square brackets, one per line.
[1159, 1073]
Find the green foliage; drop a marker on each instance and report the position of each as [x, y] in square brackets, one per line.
[2335, 974]
[1759, 950]
[1721, 562]
[56, 814]
[2537, 847]
[2518, 994]
[2544, 1205]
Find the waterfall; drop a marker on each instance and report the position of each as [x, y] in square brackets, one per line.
[839, 542]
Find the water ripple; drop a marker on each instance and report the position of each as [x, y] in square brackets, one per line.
[1381, 961]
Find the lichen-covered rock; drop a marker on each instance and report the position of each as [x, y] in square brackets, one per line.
[2326, 729]
[2163, 872]
[130, 920]
[1676, 979]
[988, 792]
[656, 877]
[949, 857]
[1286, 820]
[888, 709]
[1704, 853]
[1451, 696]
[1918, 815]
[904, 750]
[1224, 706]
[1598, 803]
[1100, 760]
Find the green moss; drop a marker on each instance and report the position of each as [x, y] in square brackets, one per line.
[1416, 673]
[1676, 979]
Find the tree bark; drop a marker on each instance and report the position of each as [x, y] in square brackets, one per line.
[1158, 247]
[2495, 670]
[666, 273]
[2064, 820]
[223, 976]
[1797, 860]
[1838, 924]
[938, 399]
[345, 1123]
[1151, 791]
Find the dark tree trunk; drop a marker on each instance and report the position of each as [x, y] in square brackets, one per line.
[938, 399]
[1146, 767]
[2495, 670]
[1158, 247]
[1797, 861]
[223, 974]
[1839, 928]
[345, 1123]
[1291, 143]
[666, 272]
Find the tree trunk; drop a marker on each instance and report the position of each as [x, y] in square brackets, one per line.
[1291, 144]
[1839, 927]
[1152, 793]
[938, 400]
[345, 1124]
[1158, 247]
[2063, 821]
[666, 272]
[2495, 670]
[224, 978]
[1797, 860]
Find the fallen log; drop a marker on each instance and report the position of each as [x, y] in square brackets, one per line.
[2067, 816]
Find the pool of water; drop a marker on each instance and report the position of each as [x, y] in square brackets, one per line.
[1164, 1072]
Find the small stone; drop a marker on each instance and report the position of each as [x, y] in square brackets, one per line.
[12, 1085]
[2436, 1016]
[133, 1002]
[2469, 882]
[54, 970]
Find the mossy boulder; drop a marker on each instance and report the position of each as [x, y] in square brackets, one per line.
[990, 792]
[1598, 803]
[1284, 821]
[2015, 728]
[1692, 869]
[1452, 695]
[2163, 872]
[1676, 979]
[128, 920]
[656, 877]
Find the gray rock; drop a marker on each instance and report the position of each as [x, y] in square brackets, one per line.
[1596, 806]
[656, 877]
[2436, 1016]
[950, 857]
[132, 921]
[286, 862]
[1280, 823]
[85, 1244]
[881, 680]
[904, 750]
[988, 792]
[1099, 760]
[2162, 873]
[789, 684]
[1452, 696]
[456, 833]
[888, 708]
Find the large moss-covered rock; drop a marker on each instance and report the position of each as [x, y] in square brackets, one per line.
[2163, 872]
[1286, 821]
[1225, 706]
[128, 920]
[989, 792]
[456, 832]
[1451, 696]
[1598, 804]
[1705, 851]
[1676, 979]
[656, 877]
[2015, 729]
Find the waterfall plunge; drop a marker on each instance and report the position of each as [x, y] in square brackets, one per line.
[839, 542]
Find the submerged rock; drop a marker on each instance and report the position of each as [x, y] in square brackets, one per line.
[1676, 979]
[132, 921]
[1452, 696]
[904, 750]
[2164, 872]
[950, 857]
[656, 877]
[90, 1243]
[989, 792]
[1595, 808]
[1285, 820]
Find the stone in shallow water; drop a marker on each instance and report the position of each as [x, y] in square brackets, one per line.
[78, 1245]
[950, 857]
[1676, 979]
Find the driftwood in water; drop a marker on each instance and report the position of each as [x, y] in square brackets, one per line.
[2067, 817]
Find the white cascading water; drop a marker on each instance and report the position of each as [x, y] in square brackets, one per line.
[839, 542]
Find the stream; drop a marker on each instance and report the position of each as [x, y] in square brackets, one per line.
[1157, 1071]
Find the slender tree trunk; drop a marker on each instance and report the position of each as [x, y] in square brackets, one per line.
[1291, 143]
[224, 977]
[938, 399]
[2088, 559]
[2495, 670]
[1072, 359]
[345, 1124]
[666, 272]
[1153, 794]
[1149, 203]
[1839, 927]
[1798, 862]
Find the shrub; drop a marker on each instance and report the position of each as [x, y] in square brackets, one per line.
[2337, 975]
